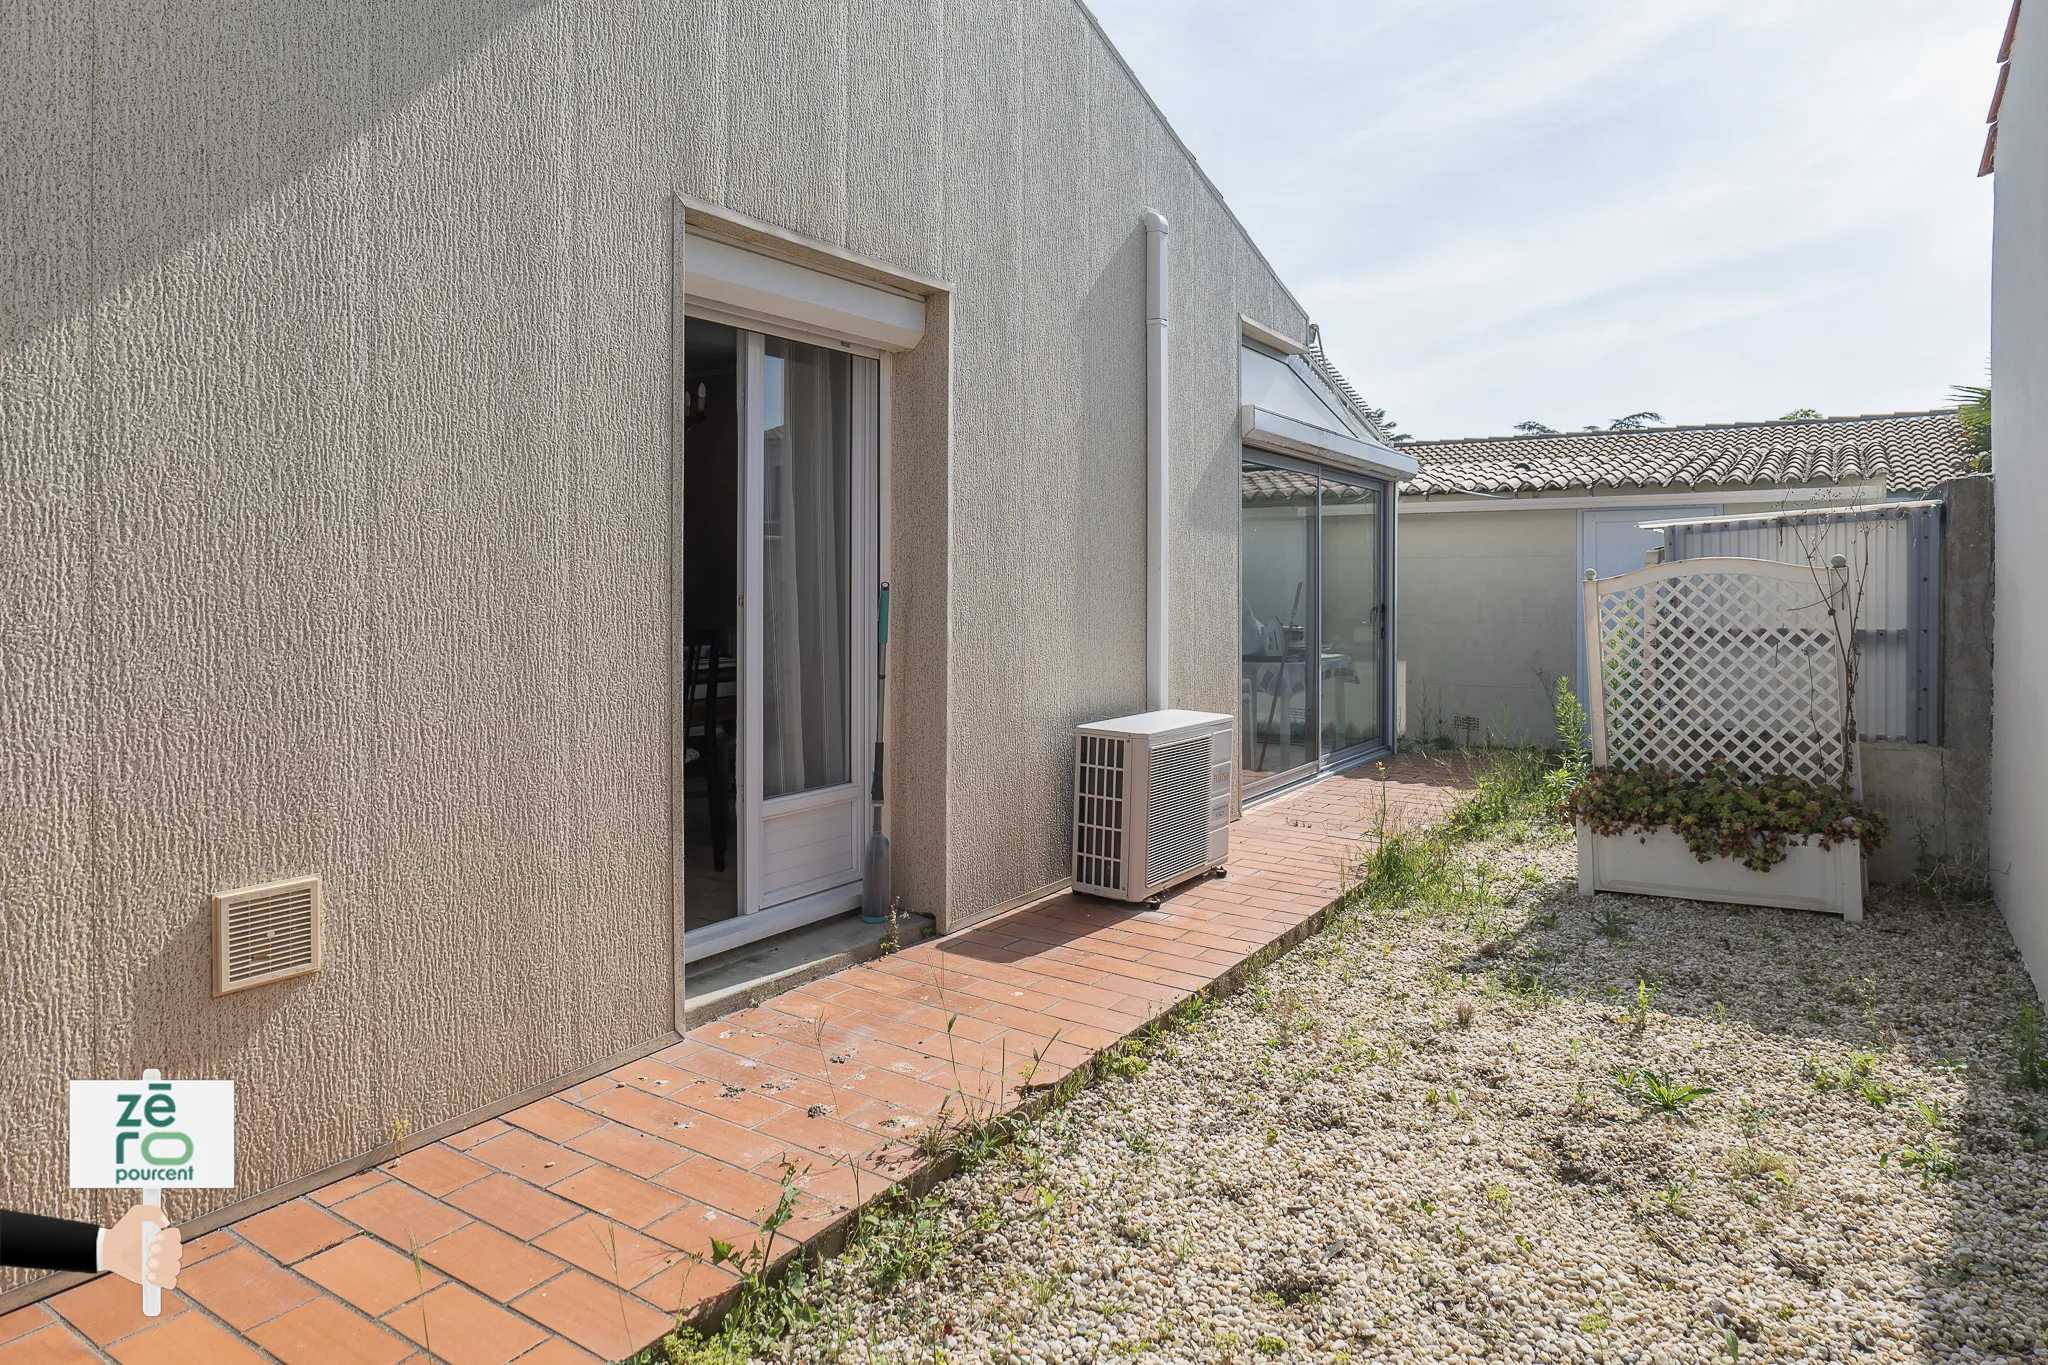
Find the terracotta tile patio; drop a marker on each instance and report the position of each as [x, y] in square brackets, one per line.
[560, 1233]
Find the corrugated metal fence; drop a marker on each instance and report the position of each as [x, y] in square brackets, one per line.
[1894, 555]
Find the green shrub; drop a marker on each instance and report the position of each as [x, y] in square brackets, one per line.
[1724, 814]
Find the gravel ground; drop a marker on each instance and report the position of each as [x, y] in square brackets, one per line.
[1330, 1166]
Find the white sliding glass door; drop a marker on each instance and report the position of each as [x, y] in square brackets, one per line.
[806, 628]
[1314, 566]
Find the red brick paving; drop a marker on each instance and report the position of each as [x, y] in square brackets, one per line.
[564, 1228]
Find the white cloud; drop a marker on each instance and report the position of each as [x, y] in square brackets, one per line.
[1718, 209]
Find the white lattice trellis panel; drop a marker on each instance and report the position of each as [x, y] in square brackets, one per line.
[1712, 661]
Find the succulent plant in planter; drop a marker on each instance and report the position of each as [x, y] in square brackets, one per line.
[1721, 813]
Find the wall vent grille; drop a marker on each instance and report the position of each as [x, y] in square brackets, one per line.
[1177, 834]
[266, 933]
[1099, 813]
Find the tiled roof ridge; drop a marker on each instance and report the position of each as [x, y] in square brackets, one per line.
[1908, 451]
[1638, 432]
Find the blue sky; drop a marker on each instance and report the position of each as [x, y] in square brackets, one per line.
[1573, 209]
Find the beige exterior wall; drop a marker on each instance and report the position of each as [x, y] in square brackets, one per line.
[334, 504]
[2019, 444]
[1488, 605]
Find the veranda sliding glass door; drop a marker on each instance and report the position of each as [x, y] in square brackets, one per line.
[1351, 616]
[1313, 619]
[1276, 602]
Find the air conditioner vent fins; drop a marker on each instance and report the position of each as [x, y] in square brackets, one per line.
[1099, 812]
[1177, 831]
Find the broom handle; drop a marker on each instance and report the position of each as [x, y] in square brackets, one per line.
[881, 693]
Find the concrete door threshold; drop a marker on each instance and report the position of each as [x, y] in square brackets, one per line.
[749, 975]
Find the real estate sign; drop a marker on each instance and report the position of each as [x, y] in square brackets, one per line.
[152, 1133]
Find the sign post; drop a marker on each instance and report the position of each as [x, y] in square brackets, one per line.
[149, 1136]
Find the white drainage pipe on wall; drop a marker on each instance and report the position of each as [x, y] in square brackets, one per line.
[1156, 695]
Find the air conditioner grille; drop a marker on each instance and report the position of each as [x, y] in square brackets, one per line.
[1177, 832]
[266, 933]
[1099, 813]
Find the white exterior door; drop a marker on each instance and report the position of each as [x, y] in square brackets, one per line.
[806, 651]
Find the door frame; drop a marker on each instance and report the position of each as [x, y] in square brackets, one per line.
[819, 291]
[1313, 686]
[1384, 570]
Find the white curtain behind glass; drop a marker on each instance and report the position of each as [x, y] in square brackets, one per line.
[806, 640]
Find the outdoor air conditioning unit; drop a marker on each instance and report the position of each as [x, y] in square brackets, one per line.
[1151, 802]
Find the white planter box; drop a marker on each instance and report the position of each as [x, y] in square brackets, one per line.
[1659, 864]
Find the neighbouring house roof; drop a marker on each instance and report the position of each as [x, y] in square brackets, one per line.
[1909, 452]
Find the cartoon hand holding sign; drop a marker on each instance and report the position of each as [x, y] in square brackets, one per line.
[145, 1135]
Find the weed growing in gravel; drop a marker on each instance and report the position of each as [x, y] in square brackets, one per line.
[1611, 924]
[1446, 1096]
[1405, 868]
[1648, 1089]
[1928, 1157]
[1513, 790]
[1125, 1060]
[1759, 1164]
[1750, 1162]
[1525, 984]
[1255, 986]
[1859, 1075]
[2030, 1049]
[1929, 1113]
[1672, 1199]
[1947, 880]
[1637, 1015]
[766, 1310]
[1501, 1197]
[1027, 1081]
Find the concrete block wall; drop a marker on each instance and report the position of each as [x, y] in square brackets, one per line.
[1938, 797]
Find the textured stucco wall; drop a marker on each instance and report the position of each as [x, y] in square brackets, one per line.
[2019, 445]
[334, 460]
[333, 500]
[1487, 606]
[1050, 154]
